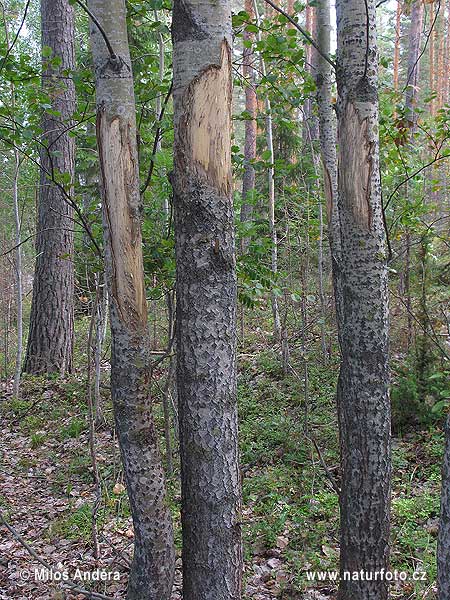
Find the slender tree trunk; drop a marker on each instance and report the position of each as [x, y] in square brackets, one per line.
[101, 322]
[431, 43]
[18, 268]
[271, 198]
[18, 242]
[397, 44]
[327, 136]
[412, 82]
[321, 286]
[447, 53]
[50, 339]
[411, 94]
[441, 76]
[251, 107]
[152, 571]
[206, 301]
[363, 387]
[310, 131]
[443, 550]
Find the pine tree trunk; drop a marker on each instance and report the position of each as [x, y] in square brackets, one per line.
[152, 570]
[50, 339]
[397, 44]
[412, 83]
[206, 301]
[443, 550]
[363, 387]
[431, 44]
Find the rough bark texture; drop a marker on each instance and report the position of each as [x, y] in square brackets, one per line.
[151, 575]
[206, 301]
[443, 550]
[50, 338]
[251, 107]
[363, 388]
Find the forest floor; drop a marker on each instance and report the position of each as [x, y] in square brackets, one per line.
[289, 460]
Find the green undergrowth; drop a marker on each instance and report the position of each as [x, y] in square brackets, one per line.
[290, 507]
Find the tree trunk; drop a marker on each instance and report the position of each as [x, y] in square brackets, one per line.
[320, 261]
[443, 550]
[18, 269]
[397, 44]
[432, 39]
[50, 339]
[206, 301]
[363, 387]
[327, 137]
[310, 131]
[271, 181]
[101, 322]
[152, 571]
[412, 82]
[411, 94]
[251, 107]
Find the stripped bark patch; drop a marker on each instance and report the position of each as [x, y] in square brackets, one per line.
[207, 127]
[355, 151]
[118, 169]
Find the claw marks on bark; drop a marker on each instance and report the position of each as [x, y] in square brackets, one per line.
[205, 128]
[122, 217]
[356, 178]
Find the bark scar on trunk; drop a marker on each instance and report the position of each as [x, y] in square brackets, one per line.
[206, 127]
[122, 218]
[356, 153]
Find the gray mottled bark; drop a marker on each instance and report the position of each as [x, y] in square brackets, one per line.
[363, 388]
[327, 126]
[327, 137]
[151, 575]
[206, 300]
[50, 339]
[443, 550]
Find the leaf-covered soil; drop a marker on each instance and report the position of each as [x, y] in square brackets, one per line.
[289, 460]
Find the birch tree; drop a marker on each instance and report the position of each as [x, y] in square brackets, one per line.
[206, 300]
[50, 338]
[363, 387]
[152, 570]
